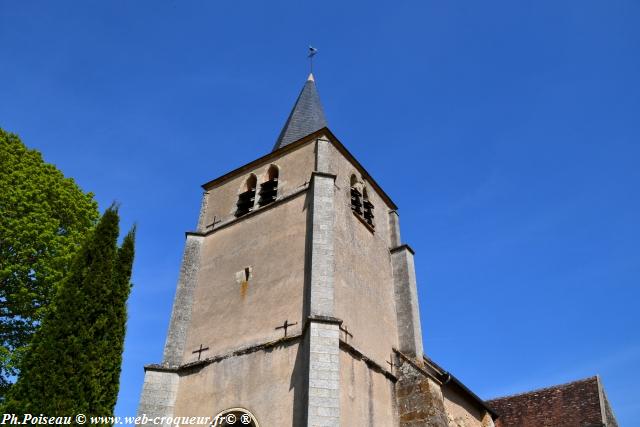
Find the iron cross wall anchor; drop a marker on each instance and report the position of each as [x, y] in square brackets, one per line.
[285, 326]
[200, 350]
[215, 221]
[391, 364]
[347, 334]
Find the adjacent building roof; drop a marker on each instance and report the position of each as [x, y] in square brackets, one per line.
[306, 117]
[581, 403]
[447, 379]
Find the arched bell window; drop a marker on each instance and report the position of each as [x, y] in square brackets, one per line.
[356, 196]
[360, 203]
[247, 198]
[367, 208]
[269, 188]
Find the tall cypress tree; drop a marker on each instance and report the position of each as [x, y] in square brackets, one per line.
[118, 323]
[73, 365]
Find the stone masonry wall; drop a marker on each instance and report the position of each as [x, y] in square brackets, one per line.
[419, 399]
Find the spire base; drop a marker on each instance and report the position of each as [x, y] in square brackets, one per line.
[306, 117]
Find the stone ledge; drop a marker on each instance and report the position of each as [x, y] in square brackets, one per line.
[357, 354]
[366, 224]
[324, 175]
[404, 246]
[322, 319]
[435, 376]
[218, 358]
[232, 220]
[160, 368]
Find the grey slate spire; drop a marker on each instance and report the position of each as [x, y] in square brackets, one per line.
[306, 117]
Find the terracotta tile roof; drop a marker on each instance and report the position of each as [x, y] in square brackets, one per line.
[576, 404]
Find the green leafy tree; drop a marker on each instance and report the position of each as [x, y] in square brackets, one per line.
[73, 363]
[43, 219]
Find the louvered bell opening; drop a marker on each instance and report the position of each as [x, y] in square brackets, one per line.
[368, 212]
[356, 204]
[245, 202]
[268, 192]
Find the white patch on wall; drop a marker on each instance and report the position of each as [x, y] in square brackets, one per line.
[244, 275]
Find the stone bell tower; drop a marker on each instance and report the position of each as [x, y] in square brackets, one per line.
[297, 300]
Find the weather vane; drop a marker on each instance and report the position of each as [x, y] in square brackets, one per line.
[312, 52]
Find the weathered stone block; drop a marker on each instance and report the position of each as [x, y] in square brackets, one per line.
[419, 399]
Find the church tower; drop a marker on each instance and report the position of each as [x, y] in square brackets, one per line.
[297, 303]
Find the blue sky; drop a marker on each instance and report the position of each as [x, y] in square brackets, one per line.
[506, 131]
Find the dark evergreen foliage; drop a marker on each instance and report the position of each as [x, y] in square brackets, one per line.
[73, 364]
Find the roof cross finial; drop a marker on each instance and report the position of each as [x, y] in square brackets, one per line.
[312, 52]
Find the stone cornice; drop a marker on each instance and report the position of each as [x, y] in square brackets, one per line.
[404, 246]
